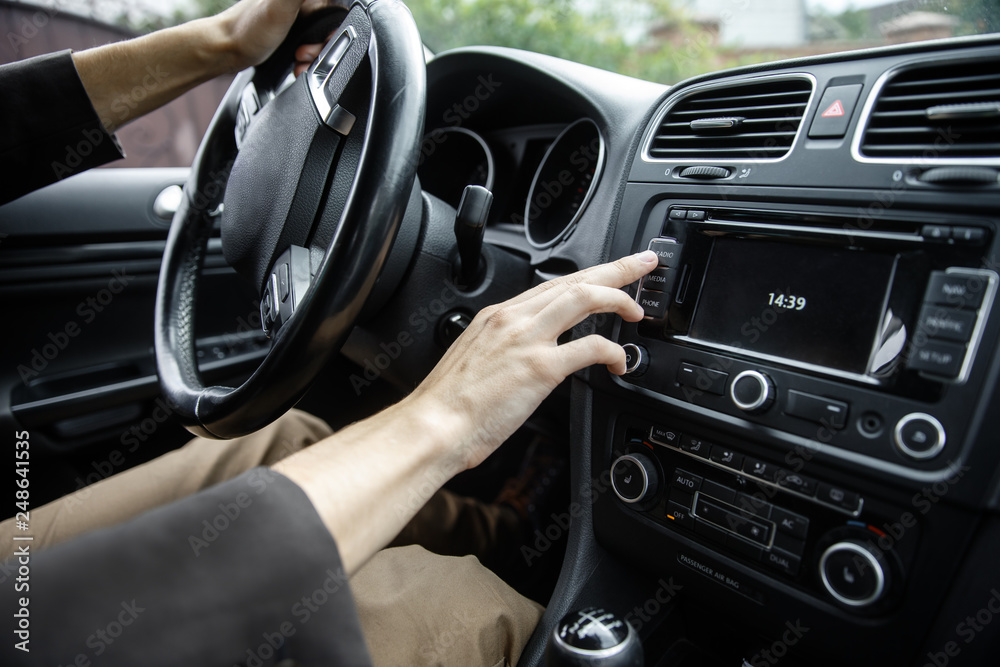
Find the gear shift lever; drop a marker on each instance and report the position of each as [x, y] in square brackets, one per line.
[470, 225]
[593, 637]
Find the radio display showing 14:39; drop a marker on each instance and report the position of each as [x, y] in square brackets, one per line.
[786, 301]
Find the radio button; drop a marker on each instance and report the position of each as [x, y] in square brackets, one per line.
[791, 524]
[668, 251]
[958, 291]
[919, 436]
[752, 391]
[817, 409]
[685, 481]
[704, 379]
[941, 322]
[726, 457]
[695, 446]
[937, 357]
[654, 304]
[759, 469]
[832, 495]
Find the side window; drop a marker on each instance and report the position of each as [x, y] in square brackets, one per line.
[167, 137]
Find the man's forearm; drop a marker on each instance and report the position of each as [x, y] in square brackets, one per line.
[128, 79]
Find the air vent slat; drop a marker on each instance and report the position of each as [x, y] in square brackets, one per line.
[770, 112]
[899, 127]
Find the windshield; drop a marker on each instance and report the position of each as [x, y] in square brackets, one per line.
[659, 40]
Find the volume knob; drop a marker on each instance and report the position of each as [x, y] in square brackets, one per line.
[752, 391]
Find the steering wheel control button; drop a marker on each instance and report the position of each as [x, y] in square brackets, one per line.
[668, 251]
[660, 280]
[633, 478]
[636, 359]
[852, 574]
[919, 436]
[654, 304]
[833, 114]
[702, 379]
[818, 409]
[752, 391]
[955, 290]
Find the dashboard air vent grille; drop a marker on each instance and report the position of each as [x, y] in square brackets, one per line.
[757, 120]
[941, 111]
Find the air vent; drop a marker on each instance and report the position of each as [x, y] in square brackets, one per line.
[937, 112]
[748, 121]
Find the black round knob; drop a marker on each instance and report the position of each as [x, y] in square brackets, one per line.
[919, 436]
[852, 574]
[633, 477]
[636, 359]
[752, 391]
[593, 637]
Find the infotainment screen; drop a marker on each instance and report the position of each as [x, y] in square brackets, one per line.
[816, 304]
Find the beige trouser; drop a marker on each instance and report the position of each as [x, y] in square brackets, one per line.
[416, 607]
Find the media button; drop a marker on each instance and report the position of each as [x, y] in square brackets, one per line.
[660, 280]
[949, 323]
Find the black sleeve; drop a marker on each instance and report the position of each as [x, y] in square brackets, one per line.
[48, 127]
[244, 573]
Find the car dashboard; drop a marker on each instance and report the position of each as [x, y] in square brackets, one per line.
[801, 463]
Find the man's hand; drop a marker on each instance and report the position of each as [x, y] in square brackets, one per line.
[507, 361]
[369, 479]
[255, 28]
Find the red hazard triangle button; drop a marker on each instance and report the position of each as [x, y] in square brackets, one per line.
[834, 110]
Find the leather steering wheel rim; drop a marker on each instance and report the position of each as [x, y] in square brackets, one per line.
[342, 280]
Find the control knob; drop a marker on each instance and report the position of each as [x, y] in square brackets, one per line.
[752, 391]
[633, 478]
[852, 574]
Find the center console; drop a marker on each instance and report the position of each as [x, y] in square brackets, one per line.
[801, 396]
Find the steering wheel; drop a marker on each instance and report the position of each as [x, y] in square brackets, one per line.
[312, 203]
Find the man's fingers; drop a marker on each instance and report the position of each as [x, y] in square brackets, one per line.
[619, 273]
[576, 301]
[587, 351]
